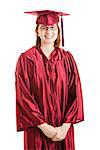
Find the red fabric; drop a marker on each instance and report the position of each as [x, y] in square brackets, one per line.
[47, 17]
[47, 90]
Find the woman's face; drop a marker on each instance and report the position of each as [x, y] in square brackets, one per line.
[48, 34]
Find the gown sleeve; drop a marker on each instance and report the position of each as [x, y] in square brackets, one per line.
[27, 110]
[74, 111]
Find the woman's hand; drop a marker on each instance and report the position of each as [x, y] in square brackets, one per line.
[48, 130]
[61, 132]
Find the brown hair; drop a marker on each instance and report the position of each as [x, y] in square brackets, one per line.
[56, 43]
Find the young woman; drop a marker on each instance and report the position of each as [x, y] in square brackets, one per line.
[48, 90]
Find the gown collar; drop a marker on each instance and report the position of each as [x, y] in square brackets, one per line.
[52, 55]
[56, 54]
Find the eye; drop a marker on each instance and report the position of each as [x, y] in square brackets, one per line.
[43, 27]
[53, 28]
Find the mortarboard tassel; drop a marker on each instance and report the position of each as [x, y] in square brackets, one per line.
[62, 30]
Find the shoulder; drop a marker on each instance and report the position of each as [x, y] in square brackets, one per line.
[26, 57]
[28, 54]
[67, 54]
[70, 59]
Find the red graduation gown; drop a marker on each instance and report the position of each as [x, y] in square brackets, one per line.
[47, 90]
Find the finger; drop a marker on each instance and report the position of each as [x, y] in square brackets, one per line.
[55, 139]
[54, 136]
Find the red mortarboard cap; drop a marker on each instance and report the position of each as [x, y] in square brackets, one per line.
[49, 17]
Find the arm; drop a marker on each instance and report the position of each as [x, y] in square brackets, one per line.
[74, 111]
[27, 110]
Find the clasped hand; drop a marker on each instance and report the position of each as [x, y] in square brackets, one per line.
[55, 133]
[61, 132]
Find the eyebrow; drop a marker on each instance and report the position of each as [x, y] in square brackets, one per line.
[47, 26]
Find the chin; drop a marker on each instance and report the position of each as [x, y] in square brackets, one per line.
[49, 41]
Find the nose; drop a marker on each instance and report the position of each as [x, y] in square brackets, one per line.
[48, 29]
[48, 32]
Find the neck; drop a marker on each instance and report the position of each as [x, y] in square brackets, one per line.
[48, 48]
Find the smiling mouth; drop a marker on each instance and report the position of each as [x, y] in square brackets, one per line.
[48, 37]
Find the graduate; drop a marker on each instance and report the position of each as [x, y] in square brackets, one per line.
[48, 90]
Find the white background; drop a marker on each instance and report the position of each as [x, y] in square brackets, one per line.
[82, 38]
